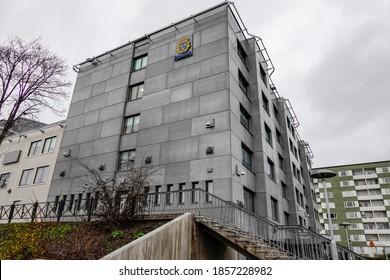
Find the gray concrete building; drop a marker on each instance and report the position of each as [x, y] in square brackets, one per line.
[197, 99]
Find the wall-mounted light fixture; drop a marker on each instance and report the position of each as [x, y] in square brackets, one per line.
[210, 150]
[148, 160]
[239, 172]
[66, 154]
[210, 123]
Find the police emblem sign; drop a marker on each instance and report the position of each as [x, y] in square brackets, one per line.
[183, 48]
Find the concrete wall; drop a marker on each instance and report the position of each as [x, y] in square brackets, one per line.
[172, 241]
[179, 239]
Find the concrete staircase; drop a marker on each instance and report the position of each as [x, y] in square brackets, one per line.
[248, 245]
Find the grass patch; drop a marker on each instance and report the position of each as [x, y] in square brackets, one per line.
[68, 241]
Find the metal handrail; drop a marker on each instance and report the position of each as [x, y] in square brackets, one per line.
[296, 241]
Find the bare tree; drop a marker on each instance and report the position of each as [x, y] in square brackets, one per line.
[31, 80]
[122, 197]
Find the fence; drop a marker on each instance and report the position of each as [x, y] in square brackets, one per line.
[297, 241]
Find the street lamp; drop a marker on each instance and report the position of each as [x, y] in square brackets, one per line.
[346, 225]
[325, 174]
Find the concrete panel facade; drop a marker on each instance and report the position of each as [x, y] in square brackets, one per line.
[220, 95]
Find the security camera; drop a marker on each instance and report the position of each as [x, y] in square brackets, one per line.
[66, 154]
[242, 172]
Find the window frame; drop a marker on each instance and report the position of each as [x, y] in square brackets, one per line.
[143, 59]
[271, 169]
[133, 127]
[35, 149]
[130, 159]
[246, 153]
[265, 101]
[43, 176]
[139, 94]
[4, 180]
[241, 52]
[26, 179]
[268, 134]
[48, 145]
[243, 83]
[263, 75]
[274, 209]
[244, 115]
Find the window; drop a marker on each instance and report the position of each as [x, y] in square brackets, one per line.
[249, 200]
[140, 62]
[268, 134]
[209, 189]
[49, 144]
[352, 215]
[194, 193]
[242, 82]
[280, 158]
[246, 156]
[274, 209]
[364, 203]
[263, 75]
[168, 195]
[4, 178]
[26, 177]
[157, 195]
[382, 226]
[241, 52]
[135, 92]
[344, 183]
[244, 117]
[284, 189]
[286, 218]
[265, 102]
[357, 171]
[385, 169]
[385, 191]
[342, 173]
[126, 160]
[276, 112]
[131, 124]
[329, 194]
[181, 193]
[271, 169]
[369, 171]
[350, 204]
[278, 136]
[288, 123]
[35, 148]
[332, 215]
[41, 175]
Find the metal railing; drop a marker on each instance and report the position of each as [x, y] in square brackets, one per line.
[296, 241]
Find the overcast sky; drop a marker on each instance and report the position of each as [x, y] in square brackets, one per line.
[331, 57]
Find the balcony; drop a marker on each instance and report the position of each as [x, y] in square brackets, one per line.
[365, 187]
[370, 197]
[365, 176]
[377, 231]
[373, 208]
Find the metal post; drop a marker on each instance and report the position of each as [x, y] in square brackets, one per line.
[333, 247]
[323, 174]
[11, 213]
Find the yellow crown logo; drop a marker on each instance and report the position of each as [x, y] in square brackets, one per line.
[183, 45]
